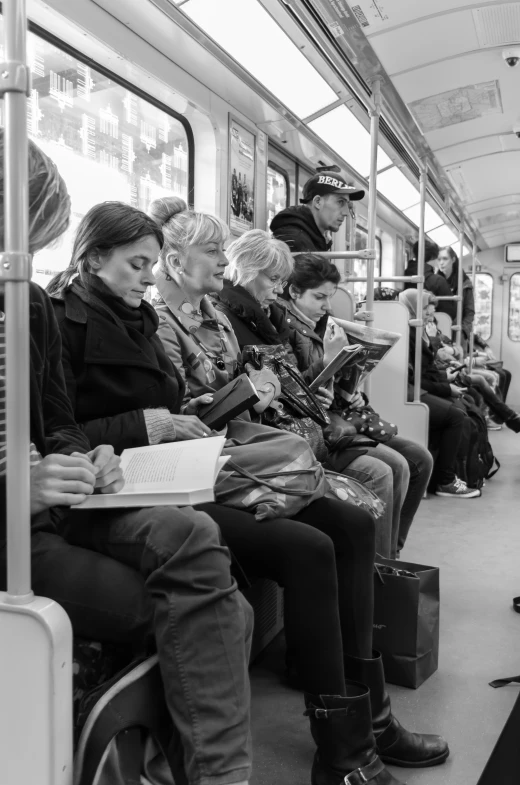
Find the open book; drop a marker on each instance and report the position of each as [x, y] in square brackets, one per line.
[354, 363]
[177, 473]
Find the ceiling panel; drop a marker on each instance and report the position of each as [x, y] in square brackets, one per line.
[470, 149]
[486, 205]
[493, 176]
[383, 15]
[425, 42]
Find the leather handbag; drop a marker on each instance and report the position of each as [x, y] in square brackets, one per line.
[297, 410]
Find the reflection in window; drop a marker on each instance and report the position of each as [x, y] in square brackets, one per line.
[514, 307]
[483, 304]
[277, 193]
[108, 143]
[359, 268]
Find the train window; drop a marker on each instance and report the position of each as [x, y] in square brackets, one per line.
[483, 304]
[303, 175]
[359, 267]
[108, 140]
[513, 328]
[277, 191]
[285, 165]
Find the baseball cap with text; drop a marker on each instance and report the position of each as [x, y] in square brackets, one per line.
[329, 183]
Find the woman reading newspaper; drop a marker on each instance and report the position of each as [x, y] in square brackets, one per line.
[398, 470]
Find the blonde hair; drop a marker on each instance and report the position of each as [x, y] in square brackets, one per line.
[183, 227]
[255, 252]
[49, 201]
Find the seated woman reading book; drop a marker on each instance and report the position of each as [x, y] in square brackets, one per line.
[136, 577]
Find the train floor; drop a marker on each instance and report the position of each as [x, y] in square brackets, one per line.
[476, 544]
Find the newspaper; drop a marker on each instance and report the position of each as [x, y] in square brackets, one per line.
[375, 344]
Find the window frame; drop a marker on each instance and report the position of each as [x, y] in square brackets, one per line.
[122, 82]
[515, 340]
[486, 273]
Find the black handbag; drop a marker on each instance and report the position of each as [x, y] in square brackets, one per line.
[298, 410]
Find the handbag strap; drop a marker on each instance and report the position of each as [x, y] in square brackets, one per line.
[488, 477]
[262, 479]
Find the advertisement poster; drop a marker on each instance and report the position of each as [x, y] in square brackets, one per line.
[242, 173]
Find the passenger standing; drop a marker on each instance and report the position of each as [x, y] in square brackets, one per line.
[325, 205]
[436, 284]
[449, 269]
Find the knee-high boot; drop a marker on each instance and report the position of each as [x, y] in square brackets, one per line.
[394, 744]
[346, 749]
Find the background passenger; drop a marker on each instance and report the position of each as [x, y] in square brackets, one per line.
[448, 262]
[436, 284]
[326, 203]
[447, 422]
[332, 639]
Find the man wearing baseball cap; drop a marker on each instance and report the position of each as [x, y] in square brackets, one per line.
[307, 227]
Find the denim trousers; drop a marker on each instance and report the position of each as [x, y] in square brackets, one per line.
[410, 466]
[123, 574]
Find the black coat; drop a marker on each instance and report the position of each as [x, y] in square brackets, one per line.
[111, 378]
[437, 285]
[296, 227]
[53, 429]
[433, 379]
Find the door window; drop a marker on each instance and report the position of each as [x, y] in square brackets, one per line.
[513, 326]
[359, 267]
[483, 305]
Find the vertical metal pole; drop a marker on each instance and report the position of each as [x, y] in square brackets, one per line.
[372, 204]
[458, 337]
[473, 281]
[16, 234]
[420, 289]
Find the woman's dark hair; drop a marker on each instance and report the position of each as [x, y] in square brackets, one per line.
[106, 226]
[431, 250]
[309, 272]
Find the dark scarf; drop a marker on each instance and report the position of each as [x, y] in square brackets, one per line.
[142, 320]
[246, 308]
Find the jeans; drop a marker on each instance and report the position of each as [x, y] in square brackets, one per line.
[420, 466]
[202, 624]
[387, 476]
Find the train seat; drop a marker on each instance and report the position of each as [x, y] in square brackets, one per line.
[343, 303]
[444, 322]
[389, 381]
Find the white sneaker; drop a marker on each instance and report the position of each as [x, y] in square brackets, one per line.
[457, 488]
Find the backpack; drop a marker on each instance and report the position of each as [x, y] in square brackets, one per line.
[123, 731]
[479, 463]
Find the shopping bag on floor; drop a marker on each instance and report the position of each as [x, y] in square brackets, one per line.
[406, 620]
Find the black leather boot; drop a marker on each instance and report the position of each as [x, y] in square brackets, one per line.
[342, 730]
[395, 744]
[514, 422]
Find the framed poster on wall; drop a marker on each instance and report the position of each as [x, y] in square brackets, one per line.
[241, 178]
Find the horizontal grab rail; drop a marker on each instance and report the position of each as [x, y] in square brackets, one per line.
[453, 297]
[366, 254]
[386, 278]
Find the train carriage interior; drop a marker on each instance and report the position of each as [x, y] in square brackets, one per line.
[233, 105]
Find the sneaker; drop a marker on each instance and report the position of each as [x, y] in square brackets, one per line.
[457, 488]
[492, 426]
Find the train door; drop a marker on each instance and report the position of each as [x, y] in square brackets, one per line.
[511, 332]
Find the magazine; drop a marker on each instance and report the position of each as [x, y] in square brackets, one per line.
[372, 345]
